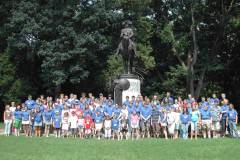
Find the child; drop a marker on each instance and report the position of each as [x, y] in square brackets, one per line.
[163, 122]
[195, 115]
[88, 122]
[115, 127]
[80, 123]
[25, 120]
[47, 120]
[107, 127]
[38, 122]
[98, 124]
[17, 120]
[7, 120]
[216, 117]
[135, 125]
[57, 121]
[65, 124]
[206, 121]
[124, 127]
[177, 122]
[73, 124]
[171, 122]
[184, 118]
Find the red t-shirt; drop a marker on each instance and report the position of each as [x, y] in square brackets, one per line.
[88, 122]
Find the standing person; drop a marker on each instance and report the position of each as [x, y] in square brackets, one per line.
[163, 122]
[80, 124]
[25, 120]
[171, 123]
[216, 117]
[107, 127]
[184, 118]
[7, 117]
[177, 122]
[98, 124]
[206, 121]
[65, 124]
[195, 117]
[47, 120]
[17, 120]
[73, 124]
[57, 122]
[88, 124]
[155, 121]
[115, 127]
[30, 103]
[135, 125]
[38, 122]
[145, 114]
[232, 120]
[124, 127]
[224, 110]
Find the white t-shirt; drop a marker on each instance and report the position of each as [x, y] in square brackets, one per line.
[177, 117]
[170, 117]
[107, 124]
[73, 121]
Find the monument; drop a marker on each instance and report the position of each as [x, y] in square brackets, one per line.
[128, 84]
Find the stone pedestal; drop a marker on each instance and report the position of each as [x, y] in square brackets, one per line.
[134, 88]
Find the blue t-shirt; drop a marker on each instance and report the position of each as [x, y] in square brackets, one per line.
[231, 114]
[47, 116]
[205, 114]
[30, 104]
[116, 111]
[38, 117]
[98, 119]
[224, 110]
[57, 121]
[146, 111]
[115, 124]
[18, 115]
[109, 110]
[25, 116]
[184, 118]
[194, 116]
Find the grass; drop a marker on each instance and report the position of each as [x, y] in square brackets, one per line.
[19, 148]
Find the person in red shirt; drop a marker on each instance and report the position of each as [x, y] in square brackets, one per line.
[88, 123]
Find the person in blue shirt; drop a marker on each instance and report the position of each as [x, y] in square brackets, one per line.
[127, 101]
[195, 117]
[17, 120]
[145, 114]
[232, 120]
[168, 99]
[109, 109]
[115, 127]
[38, 122]
[57, 122]
[224, 110]
[30, 103]
[206, 121]
[117, 111]
[25, 120]
[47, 120]
[184, 119]
[98, 124]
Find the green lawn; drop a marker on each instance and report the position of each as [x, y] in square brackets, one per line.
[22, 148]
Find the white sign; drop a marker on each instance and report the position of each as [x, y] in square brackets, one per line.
[133, 90]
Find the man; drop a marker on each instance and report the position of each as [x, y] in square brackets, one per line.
[30, 103]
[224, 111]
[168, 98]
[145, 114]
[232, 120]
[206, 121]
[155, 121]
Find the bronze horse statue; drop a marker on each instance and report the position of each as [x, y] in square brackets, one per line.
[127, 48]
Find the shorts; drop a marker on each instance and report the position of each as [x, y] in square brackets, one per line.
[135, 126]
[98, 126]
[17, 123]
[171, 128]
[163, 124]
[37, 124]
[145, 125]
[216, 126]
[74, 131]
[48, 123]
[194, 126]
[25, 122]
[156, 127]
[206, 124]
[88, 131]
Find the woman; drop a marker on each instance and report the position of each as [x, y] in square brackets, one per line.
[7, 120]
[184, 118]
[17, 120]
[38, 122]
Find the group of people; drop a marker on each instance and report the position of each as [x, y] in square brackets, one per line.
[138, 117]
